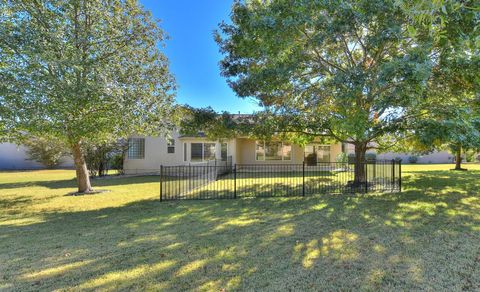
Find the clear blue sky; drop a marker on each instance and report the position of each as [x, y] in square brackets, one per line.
[193, 53]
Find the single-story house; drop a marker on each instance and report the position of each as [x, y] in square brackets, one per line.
[147, 154]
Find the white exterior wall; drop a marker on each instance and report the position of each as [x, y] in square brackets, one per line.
[14, 156]
[156, 153]
[434, 157]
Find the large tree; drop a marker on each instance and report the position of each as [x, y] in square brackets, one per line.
[82, 71]
[451, 116]
[349, 69]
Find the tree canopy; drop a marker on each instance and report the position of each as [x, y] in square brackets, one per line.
[350, 69]
[82, 71]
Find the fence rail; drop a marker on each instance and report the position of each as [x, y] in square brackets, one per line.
[227, 181]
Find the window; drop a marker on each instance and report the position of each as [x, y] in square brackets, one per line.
[224, 151]
[171, 146]
[209, 151]
[197, 152]
[202, 152]
[184, 151]
[265, 151]
[136, 148]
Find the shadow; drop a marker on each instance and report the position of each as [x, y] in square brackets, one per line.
[425, 238]
[71, 183]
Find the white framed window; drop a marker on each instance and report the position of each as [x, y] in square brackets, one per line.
[200, 152]
[171, 146]
[273, 151]
[136, 148]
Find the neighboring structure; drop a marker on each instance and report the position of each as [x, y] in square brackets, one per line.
[434, 157]
[13, 157]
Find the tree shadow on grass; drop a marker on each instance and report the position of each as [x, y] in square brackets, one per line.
[411, 240]
[71, 183]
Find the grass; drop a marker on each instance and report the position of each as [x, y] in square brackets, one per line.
[426, 238]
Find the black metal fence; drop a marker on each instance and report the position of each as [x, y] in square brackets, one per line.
[227, 181]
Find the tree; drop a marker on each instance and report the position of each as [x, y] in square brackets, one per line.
[455, 128]
[46, 150]
[83, 71]
[452, 116]
[349, 69]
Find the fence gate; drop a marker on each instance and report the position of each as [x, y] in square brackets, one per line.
[222, 180]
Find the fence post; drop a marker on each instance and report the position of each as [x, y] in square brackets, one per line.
[303, 179]
[235, 181]
[393, 174]
[400, 175]
[161, 176]
[366, 176]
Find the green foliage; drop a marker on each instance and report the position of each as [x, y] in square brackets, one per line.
[116, 162]
[82, 70]
[263, 125]
[342, 157]
[102, 157]
[207, 122]
[46, 150]
[370, 156]
[412, 159]
[346, 69]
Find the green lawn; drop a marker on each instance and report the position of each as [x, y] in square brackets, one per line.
[426, 238]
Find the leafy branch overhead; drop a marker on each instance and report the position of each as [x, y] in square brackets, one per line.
[262, 125]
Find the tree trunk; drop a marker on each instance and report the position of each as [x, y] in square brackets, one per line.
[458, 158]
[359, 170]
[83, 180]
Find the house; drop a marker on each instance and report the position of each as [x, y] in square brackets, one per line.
[146, 154]
[13, 156]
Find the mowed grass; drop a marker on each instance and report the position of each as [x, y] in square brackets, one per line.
[425, 238]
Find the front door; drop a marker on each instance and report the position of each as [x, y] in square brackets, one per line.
[315, 153]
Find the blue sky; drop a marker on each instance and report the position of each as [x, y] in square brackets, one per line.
[193, 53]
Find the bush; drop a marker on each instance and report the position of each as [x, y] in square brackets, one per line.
[342, 157]
[46, 150]
[398, 159]
[370, 156]
[470, 156]
[116, 162]
[478, 157]
[101, 157]
[351, 158]
[412, 159]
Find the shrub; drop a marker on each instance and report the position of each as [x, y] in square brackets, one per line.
[101, 157]
[46, 150]
[351, 158]
[398, 159]
[413, 159]
[370, 156]
[342, 157]
[470, 156]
